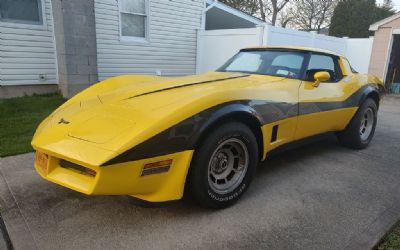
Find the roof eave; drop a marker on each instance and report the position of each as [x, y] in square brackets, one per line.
[375, 26]
[236, 12]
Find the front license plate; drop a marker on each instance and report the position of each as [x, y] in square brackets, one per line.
[42, 161]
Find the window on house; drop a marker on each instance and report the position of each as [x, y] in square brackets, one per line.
[21, 11]
[134, 18]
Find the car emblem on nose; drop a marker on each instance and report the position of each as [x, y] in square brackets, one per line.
[62, 121]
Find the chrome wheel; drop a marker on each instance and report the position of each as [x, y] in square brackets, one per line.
[367, 124]
[228, 166]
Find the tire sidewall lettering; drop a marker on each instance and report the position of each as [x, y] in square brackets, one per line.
[232, 196]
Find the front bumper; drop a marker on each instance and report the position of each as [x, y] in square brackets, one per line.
[122, 179]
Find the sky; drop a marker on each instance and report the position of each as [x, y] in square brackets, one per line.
[395, 2]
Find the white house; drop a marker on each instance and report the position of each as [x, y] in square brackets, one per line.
[47, 45]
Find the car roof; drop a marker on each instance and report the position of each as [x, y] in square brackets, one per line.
[296, 48]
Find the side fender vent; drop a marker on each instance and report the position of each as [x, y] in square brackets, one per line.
[274, 135]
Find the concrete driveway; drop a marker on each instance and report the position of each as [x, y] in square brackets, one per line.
[320, 196]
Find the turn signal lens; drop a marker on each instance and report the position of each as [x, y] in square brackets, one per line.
[158, 164]
[156, 167]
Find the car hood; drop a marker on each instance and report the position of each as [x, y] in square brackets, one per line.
[122, 112]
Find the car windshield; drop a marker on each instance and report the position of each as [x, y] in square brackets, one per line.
[267, 62]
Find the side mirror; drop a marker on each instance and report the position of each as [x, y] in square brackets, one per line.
[321, 76]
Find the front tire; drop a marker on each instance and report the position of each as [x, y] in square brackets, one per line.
[361, 129]
[223, 166]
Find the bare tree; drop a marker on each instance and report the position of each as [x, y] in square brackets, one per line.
[277, 6]
[248, 6]
[268, 10]
[262, 10]
[285, 17]
[388, 4]
[271, 9]
[312, 14]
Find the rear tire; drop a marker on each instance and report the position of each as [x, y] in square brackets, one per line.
[361, 129]
[223, 166]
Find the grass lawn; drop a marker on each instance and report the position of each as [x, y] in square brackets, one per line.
[392, 240]
[19, 118]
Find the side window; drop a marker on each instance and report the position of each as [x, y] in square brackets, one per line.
[21, 11]
[290, 61]
[288, 65]
[323, 63]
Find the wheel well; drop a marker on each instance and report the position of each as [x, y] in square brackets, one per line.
[374, 96]
[247, 119]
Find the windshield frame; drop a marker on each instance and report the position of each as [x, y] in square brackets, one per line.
[302, 74]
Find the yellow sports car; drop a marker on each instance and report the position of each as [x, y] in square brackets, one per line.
[153, 137]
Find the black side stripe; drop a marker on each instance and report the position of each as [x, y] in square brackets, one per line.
[190, 84]
[184, 135]
[354, 100]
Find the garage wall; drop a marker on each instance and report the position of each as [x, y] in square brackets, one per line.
[382, 48]
[170, 49]
[27, 52]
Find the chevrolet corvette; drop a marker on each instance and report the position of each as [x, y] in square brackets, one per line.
[156, 138]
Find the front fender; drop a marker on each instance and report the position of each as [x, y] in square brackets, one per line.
[221, 112]
[184, 135]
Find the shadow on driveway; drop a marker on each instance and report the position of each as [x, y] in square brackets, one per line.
[5, 243]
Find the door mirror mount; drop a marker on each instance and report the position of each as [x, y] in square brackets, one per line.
[321, 76]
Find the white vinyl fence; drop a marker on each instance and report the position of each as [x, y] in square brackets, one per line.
[217, 46]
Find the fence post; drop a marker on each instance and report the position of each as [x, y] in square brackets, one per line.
[265, 34]
[313, 38]
[346, 39]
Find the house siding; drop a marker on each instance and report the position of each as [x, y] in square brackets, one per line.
[28, 51]
[171, 46]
